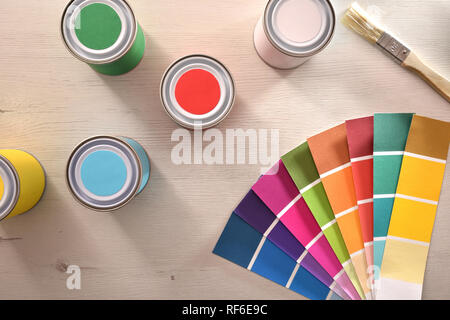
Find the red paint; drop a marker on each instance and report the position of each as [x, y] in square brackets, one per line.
[363, 178]
[366, 219]
[360, 137]
[197, 91]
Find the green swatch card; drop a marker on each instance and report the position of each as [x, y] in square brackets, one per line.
[390, 135]
[300, 165]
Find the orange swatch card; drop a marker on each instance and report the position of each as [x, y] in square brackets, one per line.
[331, 156]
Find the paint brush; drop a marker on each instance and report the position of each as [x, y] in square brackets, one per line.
[358, 20]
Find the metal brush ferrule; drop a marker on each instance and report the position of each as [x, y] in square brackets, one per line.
[394, 47]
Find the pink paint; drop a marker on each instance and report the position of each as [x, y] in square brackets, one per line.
[345, 282]
[271, 55]
[322, 251]
[291, 31]
[276, 188]
[341, 292]
[298, 20]
[300, 222]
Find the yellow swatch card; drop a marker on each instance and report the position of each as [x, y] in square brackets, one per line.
[414, 211]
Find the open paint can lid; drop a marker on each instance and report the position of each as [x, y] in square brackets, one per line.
[197, 91]
[104, 173]
[299, 28]
[98, 31]
[9, 187]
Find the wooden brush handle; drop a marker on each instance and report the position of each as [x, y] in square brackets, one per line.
[434, 79]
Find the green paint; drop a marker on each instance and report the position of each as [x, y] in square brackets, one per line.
[128, 62]
[390, 134]
[300, 165]
[382, 216]
[391, 131]
[303, 174]
[386, 170]
[98, 26]
[333, 235]
[302, 169]
[317, 201]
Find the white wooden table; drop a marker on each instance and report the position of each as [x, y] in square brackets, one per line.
[160, 245]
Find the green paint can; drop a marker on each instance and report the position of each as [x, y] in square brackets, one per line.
[104, 34]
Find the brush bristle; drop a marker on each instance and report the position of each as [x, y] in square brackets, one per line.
[358, 20]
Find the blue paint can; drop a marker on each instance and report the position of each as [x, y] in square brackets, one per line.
[104, 173]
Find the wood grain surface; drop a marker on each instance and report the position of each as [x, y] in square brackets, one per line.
[159, 246]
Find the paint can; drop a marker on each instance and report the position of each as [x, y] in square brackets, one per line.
[22, 182]
[104, 173]
[292, 31]
[197, 91]
[104, 34]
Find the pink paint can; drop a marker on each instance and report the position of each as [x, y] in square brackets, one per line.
[292, 31]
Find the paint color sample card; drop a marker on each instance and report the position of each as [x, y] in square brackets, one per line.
[360, 147]
[277, 190]
[414, 210]
[253, 211]
[300, 165]
[390, 134]
[330, 153]
[246, 247]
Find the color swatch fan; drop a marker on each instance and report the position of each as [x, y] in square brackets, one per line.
[319, 221]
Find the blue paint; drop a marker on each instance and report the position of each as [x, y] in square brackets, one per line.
[238, 243]
[145, 162]
[334, 296]
[103, 173]
[378, 251]
[274, 264]
[309, 286]
[382, 209]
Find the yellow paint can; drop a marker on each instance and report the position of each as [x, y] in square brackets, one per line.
[22, 182]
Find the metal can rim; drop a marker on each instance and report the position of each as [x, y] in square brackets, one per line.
[130, 197]
[17, 187]
[189, 126]
[140, 162]
[299, 55]
[106, 61]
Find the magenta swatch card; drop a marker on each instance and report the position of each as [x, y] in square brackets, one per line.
[280, 194]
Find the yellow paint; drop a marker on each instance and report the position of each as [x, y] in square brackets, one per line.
[404, 261]
[31, 179]
[412, 220]
[2, 188]
[351, 272]
[360, 263]
[421, 178]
